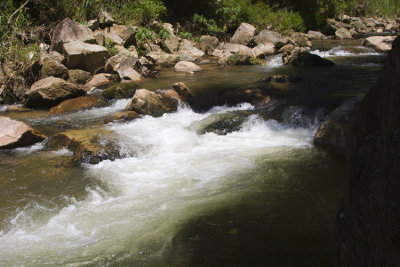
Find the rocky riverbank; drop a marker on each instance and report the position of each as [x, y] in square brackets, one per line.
[81, 58]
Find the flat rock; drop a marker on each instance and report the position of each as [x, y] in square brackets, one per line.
[77, 104]
[380, 43]
[51, 91]
[15, 134]
[89, 57]
[98, 80]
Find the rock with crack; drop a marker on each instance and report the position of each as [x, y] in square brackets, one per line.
[14, 134]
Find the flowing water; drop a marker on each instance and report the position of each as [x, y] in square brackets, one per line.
[214, 186]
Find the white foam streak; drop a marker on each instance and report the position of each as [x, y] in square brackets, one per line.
[342, 52]
[176, 174]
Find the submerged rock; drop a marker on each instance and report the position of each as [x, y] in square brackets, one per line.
[15, 134]
[283, 79]
[51, 91]
[88, 145]
[77, 104]
[120, 90]
[254, 96]
[150, 103]
[122, 116]
[301, 57]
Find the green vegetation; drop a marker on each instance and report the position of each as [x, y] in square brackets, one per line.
[164, 34]
[185, 35]
[110, 45]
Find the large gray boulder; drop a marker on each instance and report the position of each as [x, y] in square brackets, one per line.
[267, 36]
[188, 51]
[89, 57]
[67, 31]
[150, 103]
[300, 57]
[50, 91]
[380, 43]
[262, 50]
[186, 66]
[243, 34]
[342, 34]
[15, 134]
[171, 44]
[208, 43]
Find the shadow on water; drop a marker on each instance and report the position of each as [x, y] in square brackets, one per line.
[284, 219]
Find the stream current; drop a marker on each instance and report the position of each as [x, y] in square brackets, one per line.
[218, 186]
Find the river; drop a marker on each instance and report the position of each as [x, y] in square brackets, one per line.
[214, 186]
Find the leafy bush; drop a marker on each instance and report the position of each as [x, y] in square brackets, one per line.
[291, 21]
[204, 25]
[140, 11]
[164, 34]
[143, 35]
[185, 35]
[110, 45]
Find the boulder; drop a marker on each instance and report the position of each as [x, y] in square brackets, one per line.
[262, 50]
[77, 104]
[163, 59]
[186, 66]
[287, 48]
[366, 227]
[275, 38]
[122, 116]
[98, 80]
[93, 24]
[150, 103]
[128, 35]
[50, 91]
[15, 134]
[331, 134]
[300, 39]
[13, 89]
[128, 53]
[171, 44]
[188, 51]
[54, 55]
[114, 38]
[128, 73]
[380, 43]
[169, 28]
[342, 34]
[303, 58]
[243, 34]
[208, 43]
[100, 38]
[79, 76]
[184, 93]
[315, 35]
[50, 67]
[68, 31]
[89, 146]
[120, 90]
[85, 56]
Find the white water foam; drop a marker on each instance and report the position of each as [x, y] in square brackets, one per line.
[342, 52]
[176, 175]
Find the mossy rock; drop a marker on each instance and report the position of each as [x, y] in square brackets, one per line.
[120, 91]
